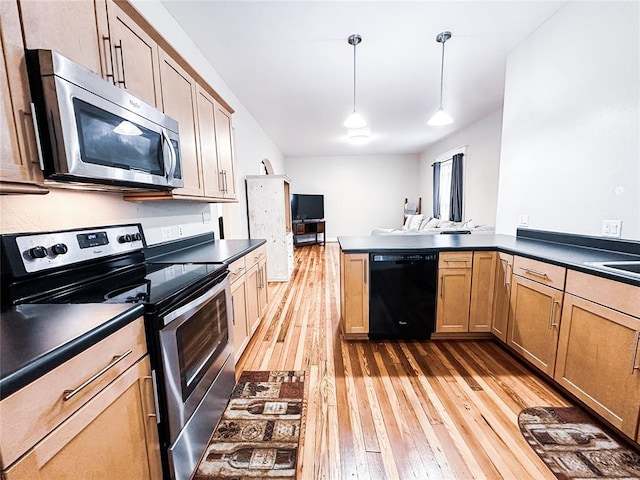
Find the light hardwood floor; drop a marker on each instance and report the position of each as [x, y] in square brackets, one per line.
[394, 409]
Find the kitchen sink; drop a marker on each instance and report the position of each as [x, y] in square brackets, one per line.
[625, 268]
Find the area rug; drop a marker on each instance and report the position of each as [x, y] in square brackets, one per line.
[574, 447]
[257, 436]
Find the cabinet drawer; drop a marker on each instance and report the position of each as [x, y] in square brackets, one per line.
[35, 410]
[619, 296]
[237, 269]
[540, 272]
[255, 256]
[455, 260]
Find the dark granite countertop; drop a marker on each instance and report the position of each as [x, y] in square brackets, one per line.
[35, 339]
[564, 254]
[209, 251]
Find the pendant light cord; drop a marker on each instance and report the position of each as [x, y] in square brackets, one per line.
[441, 75]
[354, 76]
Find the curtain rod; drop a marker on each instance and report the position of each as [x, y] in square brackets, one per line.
[449, 154]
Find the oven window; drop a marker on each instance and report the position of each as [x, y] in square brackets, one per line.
[200, 339]
[109, 140]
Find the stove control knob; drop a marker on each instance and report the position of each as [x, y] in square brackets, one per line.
[59, 249]
[124, 238]
[136, 237]
[38, 252]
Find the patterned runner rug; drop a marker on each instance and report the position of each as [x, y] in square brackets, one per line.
[257, 436]
[573, 447]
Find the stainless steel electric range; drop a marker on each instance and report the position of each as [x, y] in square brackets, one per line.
[187, 315]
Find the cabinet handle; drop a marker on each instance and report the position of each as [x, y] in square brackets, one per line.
[635, 367]
[36, 131]
[553, 315]
[108, 58]
[233, 311]
[69, 394]
[535, 273]
[152, 415]
[442, 287]
[122, 82]
[507, 275]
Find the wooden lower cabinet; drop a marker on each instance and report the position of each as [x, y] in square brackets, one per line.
[239, 322]
[482, 287]
[263, 288]
[534, 322]
[501, 295]
[354, 294]
[454, 292]
[114, 435]
[599, 353]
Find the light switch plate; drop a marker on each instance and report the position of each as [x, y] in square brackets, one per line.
[523, 220]
[612, 228]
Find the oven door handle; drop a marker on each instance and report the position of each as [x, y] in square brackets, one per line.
[195, 303]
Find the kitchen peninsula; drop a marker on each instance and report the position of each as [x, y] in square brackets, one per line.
[543, 295]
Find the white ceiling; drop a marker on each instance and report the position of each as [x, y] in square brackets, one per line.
[290, 65]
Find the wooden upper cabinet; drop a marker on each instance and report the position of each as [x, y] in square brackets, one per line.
[224, 142]
[132, 61]
[68, 28]
[19, 167]
[179, 102]
[212, 177]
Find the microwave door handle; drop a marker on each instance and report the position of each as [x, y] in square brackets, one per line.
[173, 158]
[167, 159]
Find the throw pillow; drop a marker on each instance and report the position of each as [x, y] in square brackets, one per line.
[433, 223]
[412, 222]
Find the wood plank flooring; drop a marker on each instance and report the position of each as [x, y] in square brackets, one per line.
[394, 409]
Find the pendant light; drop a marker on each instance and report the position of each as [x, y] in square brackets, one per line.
[441, 117]
[355, 120]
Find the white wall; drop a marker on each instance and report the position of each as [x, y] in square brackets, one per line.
[61, 209]
[360, 192]
[481, 166]
[571, 128]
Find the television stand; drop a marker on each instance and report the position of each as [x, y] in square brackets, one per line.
[308, 232]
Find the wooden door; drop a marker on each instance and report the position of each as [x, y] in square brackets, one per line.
[239, 327]
[599, 360]
[263, 288]
[68, 28]
[354, 290]
[179, 102]
[113, 436]
[134, 55]
[502, 292]
[534, 322]
[253, 308]
[482, 287]
[454, 297]
[19, 167]
[224, 142]
[212, 178]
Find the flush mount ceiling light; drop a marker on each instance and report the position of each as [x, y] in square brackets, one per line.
[354, 120]
[441, 117]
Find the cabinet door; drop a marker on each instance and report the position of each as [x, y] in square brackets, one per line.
[454, 297]
[354, 289]
[224, 142]
[212, 178]
[263, 288]
[239, 327]
[534, 322]
[68, 28]
[253, 308]
[598, 360]
[179, 102]
[112, 436]
[502, 292]
[19, 169]
[482, 286]
[134, 56]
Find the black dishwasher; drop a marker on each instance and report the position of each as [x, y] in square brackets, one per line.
[402, 295]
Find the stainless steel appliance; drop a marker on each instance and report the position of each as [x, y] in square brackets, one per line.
[92, 132]
[402, 295]
[187, 315]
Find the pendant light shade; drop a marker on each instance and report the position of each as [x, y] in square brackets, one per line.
[441, 117]
[355, 120]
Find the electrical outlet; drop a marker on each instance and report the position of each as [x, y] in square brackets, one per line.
[611, 228]
[523, 220]
[206, 217]
[180, 231]
[166, 233]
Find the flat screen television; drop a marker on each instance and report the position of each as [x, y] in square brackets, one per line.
[307, 207]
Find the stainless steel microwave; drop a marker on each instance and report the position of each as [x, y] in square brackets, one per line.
[91, 132]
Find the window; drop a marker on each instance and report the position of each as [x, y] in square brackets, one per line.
[445, 189]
